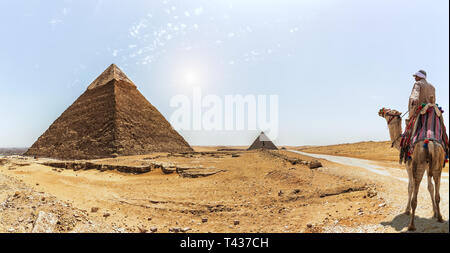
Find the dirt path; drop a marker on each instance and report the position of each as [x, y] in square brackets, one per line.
[394, 179]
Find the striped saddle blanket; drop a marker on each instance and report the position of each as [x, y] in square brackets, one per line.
[428, 124]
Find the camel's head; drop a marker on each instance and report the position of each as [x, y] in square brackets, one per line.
[389, 114]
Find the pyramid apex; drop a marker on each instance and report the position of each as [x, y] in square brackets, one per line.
[111, 73]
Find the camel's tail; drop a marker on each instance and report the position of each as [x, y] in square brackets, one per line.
[428, 154]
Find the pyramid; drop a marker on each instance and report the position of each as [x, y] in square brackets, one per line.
[111, 118]
[262, 142]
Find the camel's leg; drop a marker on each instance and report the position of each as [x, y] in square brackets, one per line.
[431, 190]
[418, 172]
[437, 183]
[410, 189]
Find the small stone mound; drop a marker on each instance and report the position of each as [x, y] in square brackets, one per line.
[197, 172]
[314, 165]
[285, 176]
[3, 161]
[311, 164]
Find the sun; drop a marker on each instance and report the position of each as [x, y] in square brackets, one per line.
[191, 77]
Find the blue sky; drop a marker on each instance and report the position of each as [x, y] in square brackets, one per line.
[332, 63]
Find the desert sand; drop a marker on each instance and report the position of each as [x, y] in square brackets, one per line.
[211, 191]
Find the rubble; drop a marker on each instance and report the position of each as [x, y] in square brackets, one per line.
[45, 223]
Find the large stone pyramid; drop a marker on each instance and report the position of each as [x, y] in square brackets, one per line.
[111, 118]
[262, 142]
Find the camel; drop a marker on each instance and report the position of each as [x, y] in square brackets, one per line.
[430, 159]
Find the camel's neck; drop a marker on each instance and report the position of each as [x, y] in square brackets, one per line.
[395, 131]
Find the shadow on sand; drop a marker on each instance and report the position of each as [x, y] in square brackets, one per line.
[423, 225]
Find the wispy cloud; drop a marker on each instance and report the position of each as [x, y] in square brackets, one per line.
[152, 34]
[65, 11]
[58, 19]
[54, 22]
[198, 11]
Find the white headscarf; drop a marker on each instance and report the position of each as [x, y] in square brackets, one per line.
[421, 74]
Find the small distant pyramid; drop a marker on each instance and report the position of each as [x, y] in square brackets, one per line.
[111, 118]
[262, 142]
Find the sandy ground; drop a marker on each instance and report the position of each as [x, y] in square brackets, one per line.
[394, 179]
[258, 192]
[255, 192]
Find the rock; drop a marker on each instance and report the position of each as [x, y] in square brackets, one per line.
[142, 230]
[175, 229]
[153, 229]
[45, 223]
[168, 170]
[121, 230]
[106, 215]
[197, 172]
[236, 222]
[94, 209]
[295, 161]
[11, 230]
[149, 218]
[315, 164]
[235, 155]
[184, 230]
[296, 191]
[382, 205]
[309, 225]
[17, 194]
[371, 193]
[280, 193]
[204, 220]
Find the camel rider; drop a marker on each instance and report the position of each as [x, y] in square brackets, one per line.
[422, 92]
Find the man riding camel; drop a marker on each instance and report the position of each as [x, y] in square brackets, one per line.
[422, 92]
[424, 144]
